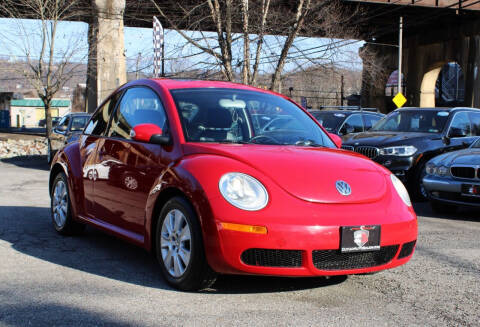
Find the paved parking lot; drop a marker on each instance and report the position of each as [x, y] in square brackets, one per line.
[95, 279]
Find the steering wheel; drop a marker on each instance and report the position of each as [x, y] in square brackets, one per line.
[269, 139]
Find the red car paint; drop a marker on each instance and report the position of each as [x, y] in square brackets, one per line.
[304, 211]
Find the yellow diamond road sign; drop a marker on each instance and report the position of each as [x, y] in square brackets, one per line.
[399, 100]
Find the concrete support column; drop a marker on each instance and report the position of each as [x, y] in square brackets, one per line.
[106, 61]
[378, 63]
[472, 73]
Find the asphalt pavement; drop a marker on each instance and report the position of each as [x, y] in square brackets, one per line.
[98, 280]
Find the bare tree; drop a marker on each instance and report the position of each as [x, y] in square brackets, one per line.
[245, 25]
[46, 68]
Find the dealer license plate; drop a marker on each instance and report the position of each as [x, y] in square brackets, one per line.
[360, 238]
[471, 190]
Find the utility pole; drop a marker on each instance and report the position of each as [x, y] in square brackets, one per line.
[342, 91]
[400, 51]
[137, 65]
[163, 57]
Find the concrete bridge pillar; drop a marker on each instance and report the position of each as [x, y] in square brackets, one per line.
[106, 58]
[472, 72]
[379, 61]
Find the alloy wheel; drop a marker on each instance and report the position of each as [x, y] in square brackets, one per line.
[60, 203]
[175, 243]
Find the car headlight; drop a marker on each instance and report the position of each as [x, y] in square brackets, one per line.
[401, 190]
[442, 171]
[431, 169]
[402, 151]
[243, 191]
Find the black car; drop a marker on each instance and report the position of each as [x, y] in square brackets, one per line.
[343, 122]
[453, 179]
[67, 130]
[407, 138]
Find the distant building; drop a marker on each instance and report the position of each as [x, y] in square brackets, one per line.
[29, 112]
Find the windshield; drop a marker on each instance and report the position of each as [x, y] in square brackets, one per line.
[241, 116]
[476, 144]
[420, 121]
[329, 120]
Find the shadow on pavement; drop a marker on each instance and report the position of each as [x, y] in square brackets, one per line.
[33, 162]
[29, 231]
[229, 284]
[26, 312]
[463, 213]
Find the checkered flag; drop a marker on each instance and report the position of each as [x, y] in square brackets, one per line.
[158, 48]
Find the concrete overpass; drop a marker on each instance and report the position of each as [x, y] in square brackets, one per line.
[436, 32]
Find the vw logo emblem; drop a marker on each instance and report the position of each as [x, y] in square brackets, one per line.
[343, 188]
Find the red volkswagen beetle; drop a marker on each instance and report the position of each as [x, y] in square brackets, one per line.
[189, 171]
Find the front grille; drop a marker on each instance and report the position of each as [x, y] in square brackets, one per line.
[336, 260]
[272, 258]
[463, 172]
[348, 147]
[368, 151]
[407, 249]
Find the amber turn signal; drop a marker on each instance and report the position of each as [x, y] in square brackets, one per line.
[245, 228]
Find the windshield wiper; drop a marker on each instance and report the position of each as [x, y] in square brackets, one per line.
[309, 143]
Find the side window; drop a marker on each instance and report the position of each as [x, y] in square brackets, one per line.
[475, 118]
[370, 120]
[353, 124]
[139, 105]
[78, 123]
[99, 122]
[460, 125]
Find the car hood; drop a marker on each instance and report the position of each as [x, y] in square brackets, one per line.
[307, 173]
[382, 139]
[460, 157]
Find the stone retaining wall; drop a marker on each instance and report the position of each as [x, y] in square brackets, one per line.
[15, 148]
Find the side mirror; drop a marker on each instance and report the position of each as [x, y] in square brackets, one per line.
[457, 132]
[336, 139]
[60, 129]
[149, 133]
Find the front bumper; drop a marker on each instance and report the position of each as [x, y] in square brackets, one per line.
[306, 245]
[449, 190]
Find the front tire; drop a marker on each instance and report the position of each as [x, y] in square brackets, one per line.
[419, 190]
[61, 208]
[180, 250]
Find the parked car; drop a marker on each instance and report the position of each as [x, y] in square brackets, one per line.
[220, 195]
[407, 138]
[67, 130]
[453, 179]
[55, 120]
[343, 122]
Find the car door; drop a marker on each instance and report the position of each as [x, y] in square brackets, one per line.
[459, 132]
[92, 135]
[353, 124]
[121, 195]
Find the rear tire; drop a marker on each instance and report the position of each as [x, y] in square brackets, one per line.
[179, 247]
[440, 207]
[61, 208]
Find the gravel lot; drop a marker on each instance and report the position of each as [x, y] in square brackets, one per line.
[97, 280]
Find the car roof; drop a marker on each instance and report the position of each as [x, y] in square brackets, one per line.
[346, 112]
[173, 84]
[79, 114]
[437, 109]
